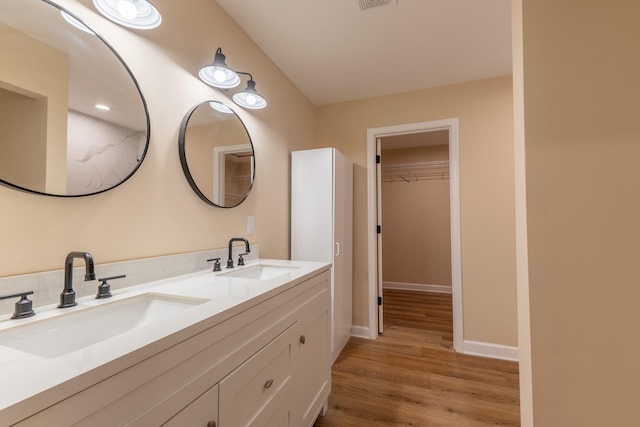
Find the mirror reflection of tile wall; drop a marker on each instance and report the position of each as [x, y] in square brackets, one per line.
[99, 154]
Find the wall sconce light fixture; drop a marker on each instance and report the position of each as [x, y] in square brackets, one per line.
[218, 74]
[249, 98]
[139, 14]
[221, 76]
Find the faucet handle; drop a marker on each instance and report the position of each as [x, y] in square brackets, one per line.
[104, 289]
[241, 259]
[24, 307]
[216, 264]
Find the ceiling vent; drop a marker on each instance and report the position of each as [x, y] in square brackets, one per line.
[368, 4]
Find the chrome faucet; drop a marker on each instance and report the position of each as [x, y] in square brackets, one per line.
[236, 239]
[68, 295]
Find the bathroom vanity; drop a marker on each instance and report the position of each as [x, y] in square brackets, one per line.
[243, 347]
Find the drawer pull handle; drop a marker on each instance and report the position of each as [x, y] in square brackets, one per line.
[303, 339]
[268, 384]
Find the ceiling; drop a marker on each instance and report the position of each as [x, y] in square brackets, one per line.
[334, 51]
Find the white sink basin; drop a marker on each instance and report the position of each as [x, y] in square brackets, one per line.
[260, 271]
[66, 333]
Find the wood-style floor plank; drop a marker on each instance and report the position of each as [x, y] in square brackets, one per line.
[410, 376]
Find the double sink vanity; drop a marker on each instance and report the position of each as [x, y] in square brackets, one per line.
[242, 346]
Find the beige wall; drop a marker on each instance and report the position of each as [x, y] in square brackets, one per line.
[485, 112]
[23, 73]
[416, 243]
[155, 212]
[23, 153]
[582, 133]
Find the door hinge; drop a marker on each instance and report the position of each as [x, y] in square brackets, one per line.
[379, 229]
[379, 300]
[378, 158]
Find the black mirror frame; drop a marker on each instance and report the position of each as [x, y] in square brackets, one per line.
[185, 166]
[142, 99]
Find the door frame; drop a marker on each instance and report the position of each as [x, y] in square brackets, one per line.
[454, 194]
[219, 169]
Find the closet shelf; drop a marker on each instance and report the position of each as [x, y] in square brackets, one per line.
[415, 171]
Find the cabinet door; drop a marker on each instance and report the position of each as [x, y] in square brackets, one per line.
[202, 412]
[312, 205]
[343, 253]
[312, 364]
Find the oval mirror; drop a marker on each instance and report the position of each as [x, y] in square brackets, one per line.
[216, 154]
[73, 121]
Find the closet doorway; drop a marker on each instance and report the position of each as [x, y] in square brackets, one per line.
[415, 190]
[416, 248]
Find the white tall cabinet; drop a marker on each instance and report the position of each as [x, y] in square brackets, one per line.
[322, 227]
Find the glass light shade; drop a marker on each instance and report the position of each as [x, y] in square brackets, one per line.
[218, 74]
[249, 98]
[222, 77]
[139, 14]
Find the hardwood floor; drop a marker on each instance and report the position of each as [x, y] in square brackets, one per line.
[427, 311]
[410, 376]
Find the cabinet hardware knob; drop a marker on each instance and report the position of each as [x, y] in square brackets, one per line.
[268, 384]
[211, 424]
[303, 339]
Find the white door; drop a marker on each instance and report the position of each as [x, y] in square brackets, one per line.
[379, 222]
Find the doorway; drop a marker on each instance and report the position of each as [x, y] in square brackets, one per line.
[416, 238]
[374, 177]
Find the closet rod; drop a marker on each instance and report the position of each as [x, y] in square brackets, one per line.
[415, 177]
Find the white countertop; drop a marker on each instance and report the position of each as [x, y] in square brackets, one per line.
[25, 375]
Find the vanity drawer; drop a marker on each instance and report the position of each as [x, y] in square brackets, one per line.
[201, 412]
[256, 391]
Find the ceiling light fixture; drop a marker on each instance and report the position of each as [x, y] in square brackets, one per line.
[221, 76]
[139, 14]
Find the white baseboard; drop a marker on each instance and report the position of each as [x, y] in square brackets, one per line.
[361, 332]
[474, 348]
[494, 351]
[442, 289]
